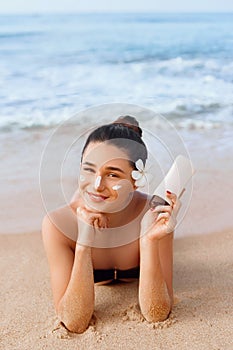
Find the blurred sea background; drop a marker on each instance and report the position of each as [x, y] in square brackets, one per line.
[53, 66]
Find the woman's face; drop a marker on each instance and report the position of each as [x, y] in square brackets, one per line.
[105, 183]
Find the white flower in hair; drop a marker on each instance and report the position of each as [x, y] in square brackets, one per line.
[139, 175]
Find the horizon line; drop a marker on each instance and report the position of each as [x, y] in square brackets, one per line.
[39, 12]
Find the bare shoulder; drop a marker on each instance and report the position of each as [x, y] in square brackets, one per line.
[61, 224]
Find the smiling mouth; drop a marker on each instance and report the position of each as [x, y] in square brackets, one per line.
[96, 197]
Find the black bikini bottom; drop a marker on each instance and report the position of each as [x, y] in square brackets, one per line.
[114, 274]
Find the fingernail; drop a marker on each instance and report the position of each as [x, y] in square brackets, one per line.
[168, 192]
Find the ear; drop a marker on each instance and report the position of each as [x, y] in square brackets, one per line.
[134, 186]
[133, 183]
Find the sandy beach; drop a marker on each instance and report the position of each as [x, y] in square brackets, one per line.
[203, 261]
[201, 318]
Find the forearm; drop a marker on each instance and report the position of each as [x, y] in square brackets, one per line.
[77, 304]
[154, 299]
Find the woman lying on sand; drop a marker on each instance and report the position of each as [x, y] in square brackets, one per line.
[109, 232]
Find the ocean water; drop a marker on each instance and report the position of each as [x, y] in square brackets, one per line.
[180, 65]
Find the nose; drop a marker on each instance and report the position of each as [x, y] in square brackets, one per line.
[98, 183]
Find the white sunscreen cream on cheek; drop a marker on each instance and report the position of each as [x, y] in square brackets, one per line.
[116, 187]
[82, 178]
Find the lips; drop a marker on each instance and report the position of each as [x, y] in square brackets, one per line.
[96, 197]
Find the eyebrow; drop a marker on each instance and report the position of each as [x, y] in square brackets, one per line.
[90, 164]
[112, 168]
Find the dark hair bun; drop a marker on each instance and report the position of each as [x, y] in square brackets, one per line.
[126, 128]
[129, 122]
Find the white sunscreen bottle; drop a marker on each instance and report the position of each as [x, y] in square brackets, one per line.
[175, 181]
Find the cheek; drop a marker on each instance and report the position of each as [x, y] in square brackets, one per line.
[123, 187]
[116, 187]
[85, 179]
[82, 178]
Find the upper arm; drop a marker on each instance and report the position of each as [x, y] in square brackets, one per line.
[166, 260]
[60, 252]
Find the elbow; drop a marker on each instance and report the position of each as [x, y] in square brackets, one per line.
[156, 312]
[75, 326]
[75, 322]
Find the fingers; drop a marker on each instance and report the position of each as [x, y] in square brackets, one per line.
[96, 223]
[102, 221]
[175, 202]
[97, 220]
[173, 208]
[168, 221]
[177, 207]
[172, 197]
[162, 208]
[166, 214]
